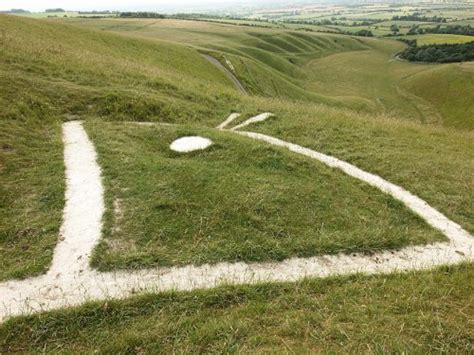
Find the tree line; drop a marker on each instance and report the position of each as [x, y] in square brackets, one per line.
[452, 29]
[416, 17]
[141, 15]
[439, 53]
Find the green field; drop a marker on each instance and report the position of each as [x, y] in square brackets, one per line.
[326, 68]
[225, 204]
[433, 38]
[62, 14]
[40, 15]
[240, 200]
[377, 18]
[423, 312]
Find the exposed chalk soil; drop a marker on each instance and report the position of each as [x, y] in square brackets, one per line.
[190, 144]
[70, 280]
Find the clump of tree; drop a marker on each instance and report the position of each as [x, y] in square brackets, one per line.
[440, 53]
[417, 17]
[141, 15]
[415, 30]
[15, 11]
[332, 22]
[55, 10]
[455, 30]
[95, 12]
[364, 33]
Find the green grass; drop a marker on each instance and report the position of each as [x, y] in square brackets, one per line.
[326, 68]
[425, 312]
[349, 75]
[267, 61]
[448, 88]
[225, 203]
[400, 89]
[51, 71]
[434, 38]
[434, 163]
[31, 195]
[64, 69]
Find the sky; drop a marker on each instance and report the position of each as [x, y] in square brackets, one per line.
[156, 5]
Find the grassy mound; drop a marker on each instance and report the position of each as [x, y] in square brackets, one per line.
[53, 72]
[448, 87]
[352, 72]
[238, 200]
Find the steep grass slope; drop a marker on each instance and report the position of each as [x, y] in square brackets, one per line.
[55, 72]
[427, 93]
[450, 89]
[354, 72]
[52, 72]
[101, 71]
[413, 313]
[267, 61]
[238, 200]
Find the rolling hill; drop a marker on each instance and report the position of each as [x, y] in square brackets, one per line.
[240, 200]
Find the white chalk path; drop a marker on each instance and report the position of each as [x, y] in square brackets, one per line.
[259, 118]
[71, 281]
[229, 120]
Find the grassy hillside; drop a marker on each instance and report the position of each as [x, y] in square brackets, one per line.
[422, 312]
[353, 72]
[237, 201]
[100, 71]
[53, 71]
[449, 88]
[267, 61]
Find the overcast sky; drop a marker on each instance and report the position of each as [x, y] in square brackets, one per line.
[40, 5]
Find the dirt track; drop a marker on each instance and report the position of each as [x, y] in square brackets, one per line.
[238, 85]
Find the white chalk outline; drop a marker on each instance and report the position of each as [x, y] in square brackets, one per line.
[259, 118]
[70, 280]
[229, 119]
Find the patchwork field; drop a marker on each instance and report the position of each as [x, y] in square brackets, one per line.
[169, 231]
[377, 18]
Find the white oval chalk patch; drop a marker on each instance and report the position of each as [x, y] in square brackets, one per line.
[189, 144]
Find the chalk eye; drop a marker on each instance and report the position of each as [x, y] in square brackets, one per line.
[190, 144]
